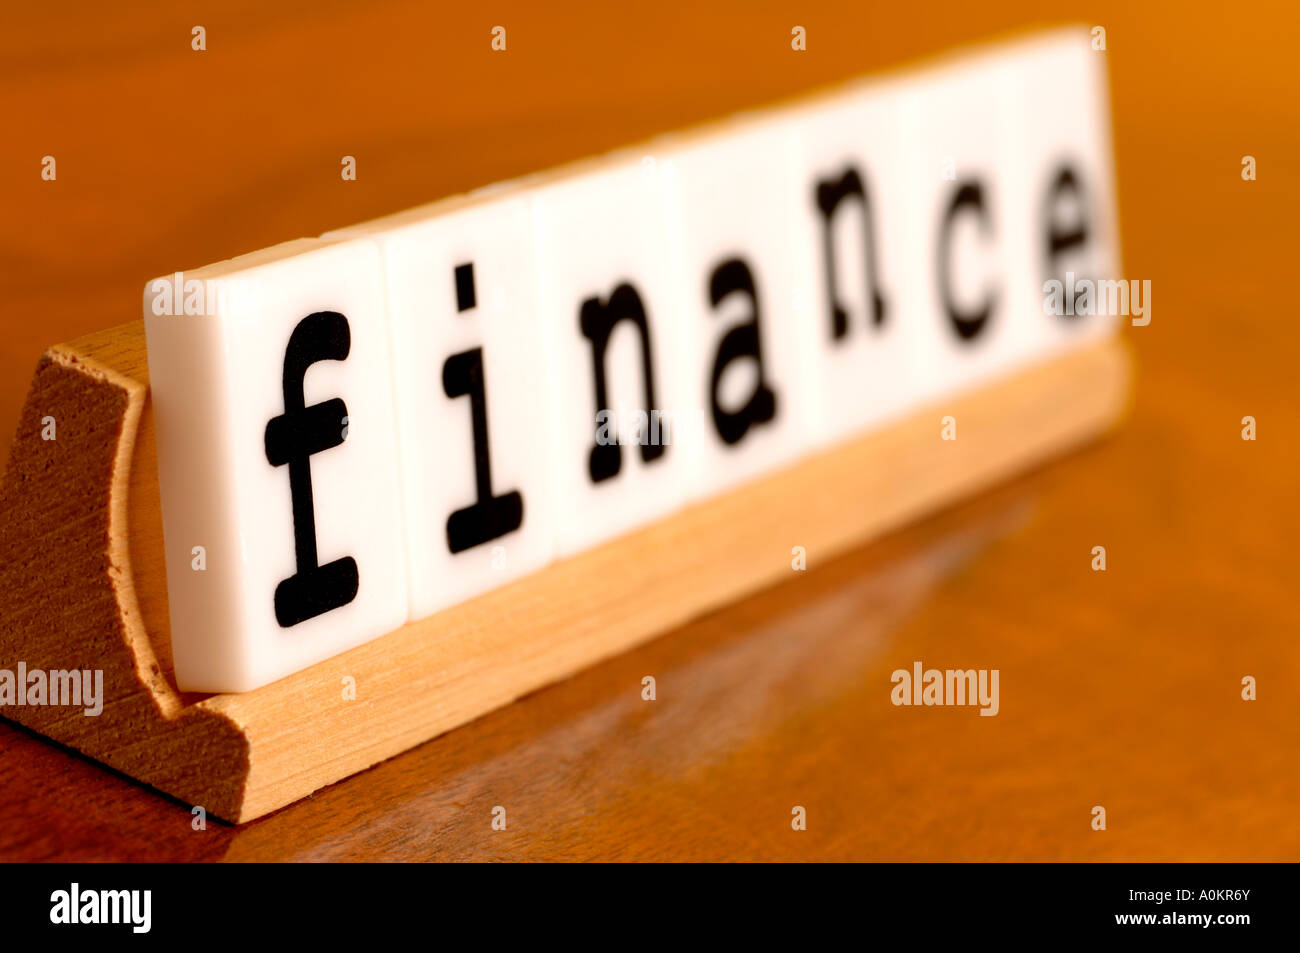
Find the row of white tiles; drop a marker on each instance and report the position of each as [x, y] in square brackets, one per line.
[459, 342]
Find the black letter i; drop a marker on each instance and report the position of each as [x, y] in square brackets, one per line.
[462, 374]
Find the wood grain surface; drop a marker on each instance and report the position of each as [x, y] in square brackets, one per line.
[1119, 688]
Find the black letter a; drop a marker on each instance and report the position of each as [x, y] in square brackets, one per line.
[731, 277]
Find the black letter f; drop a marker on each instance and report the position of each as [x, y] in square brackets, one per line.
[292, 438]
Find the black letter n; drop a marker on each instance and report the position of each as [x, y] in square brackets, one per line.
[596, 320]
[830, 193]
[292, 438]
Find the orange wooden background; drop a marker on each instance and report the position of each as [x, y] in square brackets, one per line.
[1120, 689]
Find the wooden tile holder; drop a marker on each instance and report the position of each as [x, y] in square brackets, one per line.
[81, 570]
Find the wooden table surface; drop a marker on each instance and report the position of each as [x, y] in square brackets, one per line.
[1119, 689]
